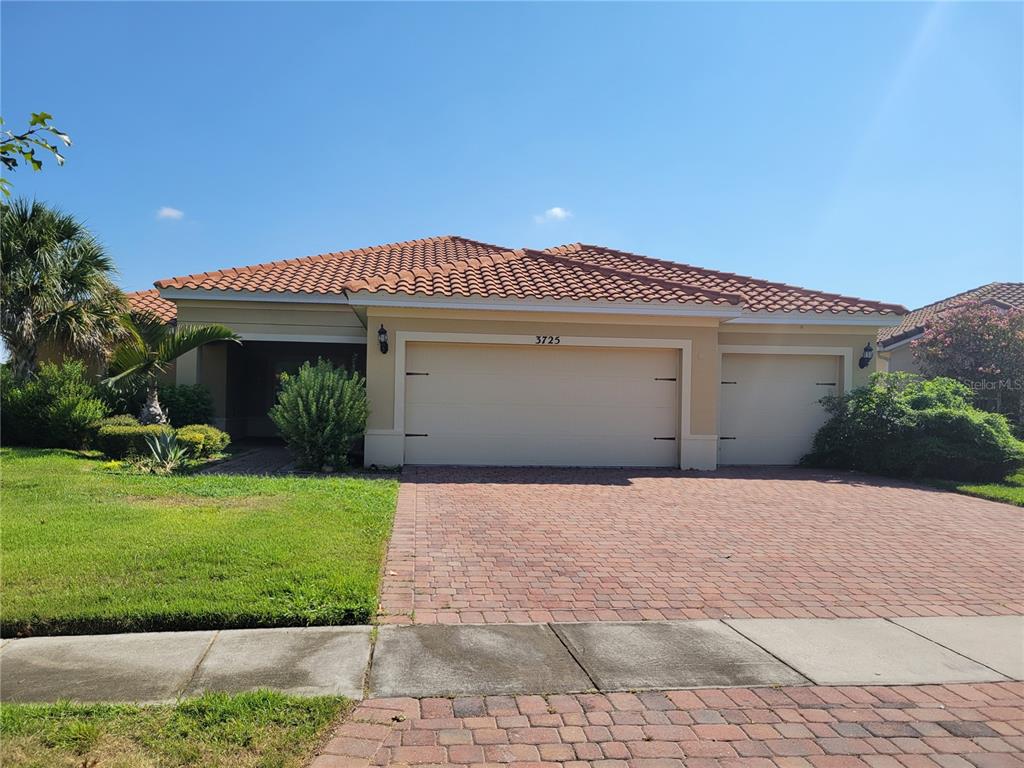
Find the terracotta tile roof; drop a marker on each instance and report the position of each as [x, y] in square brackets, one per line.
[457, 266]
[150, 301]
[758, 295]
[528, 274]
[328, 272]
[1003, 294]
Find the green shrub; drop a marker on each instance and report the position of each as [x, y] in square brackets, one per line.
[186, 404]
[118, 420]
[202, 440]
[320, 411]
[192, 442]
[120, 442]
[906, 426]
[183, 403]
[57, 408]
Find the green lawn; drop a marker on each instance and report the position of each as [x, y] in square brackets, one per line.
[1010, 490]
[244, 731]
[85, 550]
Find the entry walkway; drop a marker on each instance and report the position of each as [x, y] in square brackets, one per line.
[515, 659]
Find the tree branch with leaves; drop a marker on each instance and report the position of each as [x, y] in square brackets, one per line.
[20, 147]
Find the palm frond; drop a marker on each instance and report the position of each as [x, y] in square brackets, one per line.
[185, 338]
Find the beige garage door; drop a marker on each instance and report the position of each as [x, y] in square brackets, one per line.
[769, 406]
[552, 405]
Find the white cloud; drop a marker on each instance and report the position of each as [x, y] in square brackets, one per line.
[553, 214]
[166, 212]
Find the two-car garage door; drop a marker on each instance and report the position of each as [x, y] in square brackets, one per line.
[541, 405]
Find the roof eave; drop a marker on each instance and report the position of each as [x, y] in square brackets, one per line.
[424, 301]
[211, 294]
[872, 319]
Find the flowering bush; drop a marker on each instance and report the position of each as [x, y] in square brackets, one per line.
[982, 346]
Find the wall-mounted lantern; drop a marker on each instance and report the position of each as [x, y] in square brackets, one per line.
[382, 339]
[866, 356]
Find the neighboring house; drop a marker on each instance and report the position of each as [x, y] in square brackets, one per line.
[576, 355]
[894, 343]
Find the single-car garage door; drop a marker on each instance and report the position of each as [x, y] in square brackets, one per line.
[555, 405]
[769, 406]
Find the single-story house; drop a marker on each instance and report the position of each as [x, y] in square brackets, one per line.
[576, 355]
[895, 352]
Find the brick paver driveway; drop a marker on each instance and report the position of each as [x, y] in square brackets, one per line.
[955, 726]
[487, 545]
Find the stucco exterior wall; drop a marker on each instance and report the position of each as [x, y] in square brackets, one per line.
[269, 320]
[286, 322]
[853, 338]
[385, 442]
[902, 359]
[380, 369]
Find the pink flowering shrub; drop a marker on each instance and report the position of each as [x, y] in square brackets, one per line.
[980, 345]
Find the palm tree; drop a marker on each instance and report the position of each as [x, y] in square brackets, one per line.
[150, 348]
[57, 287]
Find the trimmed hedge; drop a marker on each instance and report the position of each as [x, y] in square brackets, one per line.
[202, 440]
[905, 426]
[122, 436]
[120, 442]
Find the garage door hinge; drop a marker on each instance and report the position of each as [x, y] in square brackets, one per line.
[416, 434]
[415, 373]
[728, 382]
[727, 438]
[664, 438]
[656, 378]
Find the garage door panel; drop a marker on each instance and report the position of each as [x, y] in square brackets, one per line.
[541, 420]
[518, 450]
[558, 405]
[531, 388]
[770, 405]
[542, 359]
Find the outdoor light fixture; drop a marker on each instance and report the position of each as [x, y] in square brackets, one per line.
[382, 339]
[866, 356]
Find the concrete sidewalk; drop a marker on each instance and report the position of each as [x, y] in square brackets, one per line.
[453, 660]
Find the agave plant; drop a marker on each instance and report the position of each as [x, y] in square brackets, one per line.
[168, 454]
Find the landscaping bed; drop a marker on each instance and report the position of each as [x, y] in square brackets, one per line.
[247, 730]
[89, 551]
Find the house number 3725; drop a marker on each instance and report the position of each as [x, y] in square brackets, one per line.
[548, 340]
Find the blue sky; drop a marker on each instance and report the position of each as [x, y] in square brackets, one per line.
[872, 149]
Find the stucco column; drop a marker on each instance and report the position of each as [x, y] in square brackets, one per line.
[384, 446]
[186, 369]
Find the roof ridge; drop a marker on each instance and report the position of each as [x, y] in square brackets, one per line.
[443, 268]
[747, 278]
[732, 298]
[970, 293]
[317, 257]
